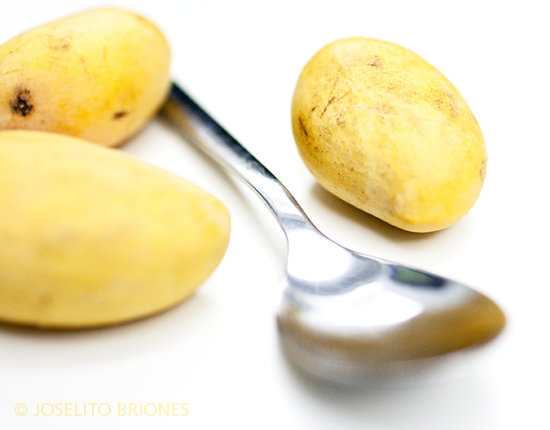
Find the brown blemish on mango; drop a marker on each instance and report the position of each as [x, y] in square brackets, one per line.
[21, 103]
[120, 114]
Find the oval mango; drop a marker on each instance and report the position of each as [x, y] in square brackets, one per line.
[385, 131]
[98, 75]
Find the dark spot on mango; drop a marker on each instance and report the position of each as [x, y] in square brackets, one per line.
[59, 43]
[376, 62]
[21, 104]
[302, 127]
[120, 114]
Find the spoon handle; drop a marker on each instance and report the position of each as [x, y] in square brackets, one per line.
[202, 130]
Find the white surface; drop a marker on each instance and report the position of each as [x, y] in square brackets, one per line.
[218, 351]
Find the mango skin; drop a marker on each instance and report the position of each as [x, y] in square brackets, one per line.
[98, 75]
[90, 236]
[385, 131]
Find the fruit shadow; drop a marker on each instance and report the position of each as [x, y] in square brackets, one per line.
[360, 218]
[59, 348]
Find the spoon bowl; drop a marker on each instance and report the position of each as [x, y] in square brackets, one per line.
[350, 318]
[345, 316]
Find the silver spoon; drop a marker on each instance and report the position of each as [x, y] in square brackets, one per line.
[345, 316]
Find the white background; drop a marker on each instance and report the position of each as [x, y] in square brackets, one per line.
[218, 351]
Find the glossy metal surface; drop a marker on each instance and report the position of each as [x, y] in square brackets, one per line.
[345, 316]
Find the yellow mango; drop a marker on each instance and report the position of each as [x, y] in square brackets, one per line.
[98, 75]
[91, 236]
[385, 131]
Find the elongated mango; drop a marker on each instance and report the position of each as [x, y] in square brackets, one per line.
[91, 236]
[98, 75]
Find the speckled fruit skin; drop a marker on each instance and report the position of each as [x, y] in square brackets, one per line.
[91, 236]
[385, 131]
[98, 75]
